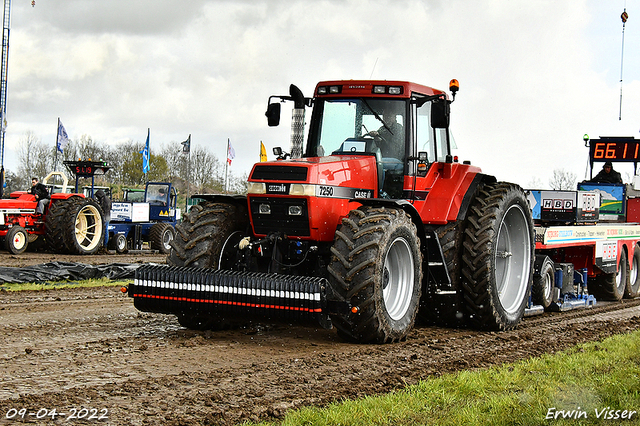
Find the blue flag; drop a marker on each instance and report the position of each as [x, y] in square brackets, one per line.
[145, 154]
[62, 138]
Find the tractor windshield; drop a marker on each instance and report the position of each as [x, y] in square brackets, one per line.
[359, 125]
[157, 194]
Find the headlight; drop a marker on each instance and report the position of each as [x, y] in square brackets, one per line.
[295, 210]
[264, 209]
[300, 189]
[257, 188]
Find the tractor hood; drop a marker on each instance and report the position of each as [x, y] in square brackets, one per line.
[307, 197]
[356, 172]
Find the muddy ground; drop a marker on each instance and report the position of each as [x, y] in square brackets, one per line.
[90, 348]
[103, 257]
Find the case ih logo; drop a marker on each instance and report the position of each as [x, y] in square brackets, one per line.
[561, 204]
[278, 188]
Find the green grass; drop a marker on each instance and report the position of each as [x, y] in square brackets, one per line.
[587, 378]
[101, 282]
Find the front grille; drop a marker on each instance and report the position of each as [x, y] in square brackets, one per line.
[294, 173]
[279, 219]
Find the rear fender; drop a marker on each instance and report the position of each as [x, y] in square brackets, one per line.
[63, 196]
[218, 198]
[402, 204]
[429, 243]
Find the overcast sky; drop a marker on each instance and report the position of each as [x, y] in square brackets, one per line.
[535, 76]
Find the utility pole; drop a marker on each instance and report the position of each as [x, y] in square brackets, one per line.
[6, 25]
[4, 67]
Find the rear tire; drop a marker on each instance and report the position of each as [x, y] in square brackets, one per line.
[54, 225]
[201, 236]
[376, 266]
[612, 286]
[16, 240]
[160, 237]
[632, 290]
[498, 255]
[83, 226]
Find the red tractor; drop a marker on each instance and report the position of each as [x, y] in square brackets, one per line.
[368, 227]
[71, 223]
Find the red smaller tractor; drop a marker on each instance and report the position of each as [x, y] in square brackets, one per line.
[71, 223]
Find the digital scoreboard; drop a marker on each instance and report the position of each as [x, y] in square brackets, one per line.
[620, 149]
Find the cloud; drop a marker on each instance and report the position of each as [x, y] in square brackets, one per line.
[532, 82]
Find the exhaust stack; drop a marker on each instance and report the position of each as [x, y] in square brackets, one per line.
[297, 122]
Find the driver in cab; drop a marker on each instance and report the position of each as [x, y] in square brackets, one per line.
[391, 133]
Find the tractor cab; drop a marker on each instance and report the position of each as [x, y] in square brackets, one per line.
[404, 126]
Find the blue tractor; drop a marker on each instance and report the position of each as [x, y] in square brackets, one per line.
[151, 221]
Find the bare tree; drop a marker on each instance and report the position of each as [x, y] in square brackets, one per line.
[36, 159]
[563, 180]
[535, 183]
[205, 171]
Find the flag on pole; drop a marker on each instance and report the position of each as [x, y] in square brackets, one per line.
[263, 153]
[145, 154]
[231, 153]
[62, 139]
[186, 145]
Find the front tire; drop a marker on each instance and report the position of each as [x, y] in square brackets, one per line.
[498, 257]
[376, 267]
[160, 237]
[118, 243]
[16, 240]
[201, 236]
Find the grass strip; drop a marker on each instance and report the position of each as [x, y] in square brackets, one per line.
[593, 383]
[53, 285]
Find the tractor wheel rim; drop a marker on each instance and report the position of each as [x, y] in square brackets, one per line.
[399, 279]
[512, 256]
[121, 242]
[620, 278]
[19, 240]
[166, 239]
[633, 272]
[547, 286]
[88, 227]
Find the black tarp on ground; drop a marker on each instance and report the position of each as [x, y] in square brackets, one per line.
[58, 271]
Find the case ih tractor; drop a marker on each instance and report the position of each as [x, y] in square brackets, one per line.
[71, 223]
[370, 226]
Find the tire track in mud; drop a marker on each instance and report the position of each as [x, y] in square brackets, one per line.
[92, 348]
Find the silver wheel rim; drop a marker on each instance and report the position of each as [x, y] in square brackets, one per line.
[512, 259]
[167, 236]
[398, 279]
[633, 272]
[547, 287]
[121, 242]
[620, 282]
[88, 227]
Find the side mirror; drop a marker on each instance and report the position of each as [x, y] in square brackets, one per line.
[440, 114]
[273, 114]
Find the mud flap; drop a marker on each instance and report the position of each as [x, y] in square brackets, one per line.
[228, 294]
